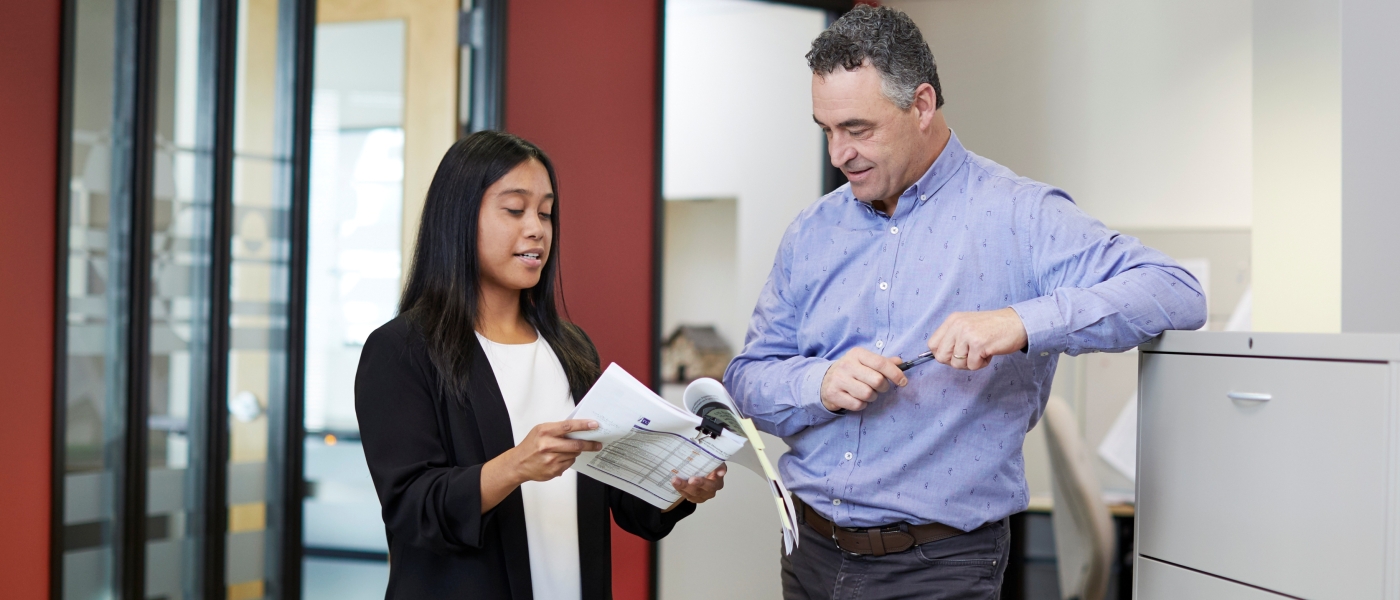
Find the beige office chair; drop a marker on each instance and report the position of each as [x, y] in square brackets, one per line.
[1083, 527]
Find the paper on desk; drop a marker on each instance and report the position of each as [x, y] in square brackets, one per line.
[1119, 446]
[646, 440]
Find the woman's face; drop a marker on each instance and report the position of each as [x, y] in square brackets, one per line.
[515, 229]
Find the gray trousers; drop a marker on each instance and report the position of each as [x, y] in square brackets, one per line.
[965, 567]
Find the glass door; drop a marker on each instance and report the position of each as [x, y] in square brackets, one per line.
[385, 109]
[184, 227]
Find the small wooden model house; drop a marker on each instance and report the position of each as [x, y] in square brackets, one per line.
[694, 351]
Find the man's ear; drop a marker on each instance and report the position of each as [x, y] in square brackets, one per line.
[925, 104]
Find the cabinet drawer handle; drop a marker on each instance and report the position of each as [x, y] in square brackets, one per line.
[1252, 397]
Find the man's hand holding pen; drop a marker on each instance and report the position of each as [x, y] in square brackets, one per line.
[853, 381]
[965, 340]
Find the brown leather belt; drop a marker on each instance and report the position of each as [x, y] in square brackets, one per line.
[874, 541]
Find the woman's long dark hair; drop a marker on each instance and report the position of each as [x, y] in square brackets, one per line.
[443, 296]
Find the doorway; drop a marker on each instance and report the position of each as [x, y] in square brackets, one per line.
[384, 109]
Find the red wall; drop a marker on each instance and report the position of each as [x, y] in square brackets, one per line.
[581, 81]
[29, 93]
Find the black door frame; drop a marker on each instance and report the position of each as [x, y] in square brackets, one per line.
[133, 147]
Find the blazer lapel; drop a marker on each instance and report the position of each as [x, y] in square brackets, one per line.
[492, 419]
[493, 424]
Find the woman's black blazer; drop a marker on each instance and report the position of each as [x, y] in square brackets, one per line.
[425, 453]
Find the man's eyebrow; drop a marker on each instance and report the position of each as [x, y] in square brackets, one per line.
[848, 123]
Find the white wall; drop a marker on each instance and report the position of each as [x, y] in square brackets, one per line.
[700, 273]
[1298, 166]
[738, 124]
[739, 136]
[1140, 110]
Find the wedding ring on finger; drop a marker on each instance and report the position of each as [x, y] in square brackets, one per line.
[956, 357]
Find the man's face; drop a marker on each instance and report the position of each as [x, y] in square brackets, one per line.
[870, 139]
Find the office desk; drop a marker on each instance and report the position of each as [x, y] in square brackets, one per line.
[1044, 504]
[1268, 466]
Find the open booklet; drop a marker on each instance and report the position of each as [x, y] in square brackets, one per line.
[647, 441]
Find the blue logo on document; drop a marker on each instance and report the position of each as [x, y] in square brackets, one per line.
[644, 421]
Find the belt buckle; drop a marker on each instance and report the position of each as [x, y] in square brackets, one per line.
[901, 528]
[837, 540]
[835, 528]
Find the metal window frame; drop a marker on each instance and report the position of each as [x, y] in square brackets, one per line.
[488, 77]
[658, 249]
[136, 69]
[134, 97]
[218, 80]
[287, 430]
[59, 432]
[833, 6]
[832, 176]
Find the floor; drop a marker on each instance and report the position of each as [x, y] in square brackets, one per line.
[338, 579]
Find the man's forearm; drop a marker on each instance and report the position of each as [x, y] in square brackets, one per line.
[782, 396]
[1115, 315]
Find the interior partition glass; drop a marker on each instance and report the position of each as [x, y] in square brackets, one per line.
[353, 278]
[97, 302]
[179, 303]
[259, 294]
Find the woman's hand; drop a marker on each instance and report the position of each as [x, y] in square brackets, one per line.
[698, 489]
[543, 455]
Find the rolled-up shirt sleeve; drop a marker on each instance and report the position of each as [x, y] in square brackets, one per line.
[1098, 290]
[770, 380]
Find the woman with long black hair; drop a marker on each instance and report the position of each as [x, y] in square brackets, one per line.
[460, 400]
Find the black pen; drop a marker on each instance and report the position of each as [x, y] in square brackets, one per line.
[918, 360]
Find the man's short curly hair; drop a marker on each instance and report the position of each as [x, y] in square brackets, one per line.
[887, 38]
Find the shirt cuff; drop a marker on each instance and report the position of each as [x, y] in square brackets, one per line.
[1046, 331]
[812, 393]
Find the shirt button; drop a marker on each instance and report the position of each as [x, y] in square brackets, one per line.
[880, 343]
[923, 196]
[1045, 354]
[884, 285]
[894, 230]
[836, 501]
[849, 456]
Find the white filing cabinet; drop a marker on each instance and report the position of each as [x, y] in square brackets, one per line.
[1268, 466]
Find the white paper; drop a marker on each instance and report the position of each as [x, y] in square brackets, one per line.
[1119, 446]
[751, 456]
[1243, 317]
[646, 440]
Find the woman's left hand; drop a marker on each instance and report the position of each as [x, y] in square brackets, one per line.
[698, 489]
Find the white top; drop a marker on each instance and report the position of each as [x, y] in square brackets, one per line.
[536, 390]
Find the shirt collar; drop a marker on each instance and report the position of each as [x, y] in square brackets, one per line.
[940, 171]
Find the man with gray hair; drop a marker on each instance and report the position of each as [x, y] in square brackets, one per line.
[904, 473]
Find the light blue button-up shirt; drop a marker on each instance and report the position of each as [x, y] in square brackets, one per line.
[970, 235]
